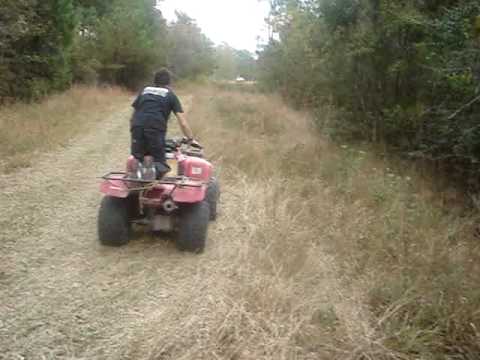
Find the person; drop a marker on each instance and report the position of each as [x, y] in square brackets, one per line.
[148, 125]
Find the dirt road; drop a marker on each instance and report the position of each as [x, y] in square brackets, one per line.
[63, 296]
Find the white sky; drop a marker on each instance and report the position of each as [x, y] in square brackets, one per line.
[236, 22]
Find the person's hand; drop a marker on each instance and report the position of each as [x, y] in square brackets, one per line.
[192, 142]
[195, 143]
[186, 140]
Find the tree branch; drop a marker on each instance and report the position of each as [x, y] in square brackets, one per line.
[463, 108]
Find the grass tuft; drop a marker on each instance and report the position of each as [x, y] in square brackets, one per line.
[320, 251]
[408, 259]
[28, 129]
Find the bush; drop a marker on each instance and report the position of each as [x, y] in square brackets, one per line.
[35, 47]
[402, 73]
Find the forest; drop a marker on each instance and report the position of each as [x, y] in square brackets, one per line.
[401, 74]
[46, 46]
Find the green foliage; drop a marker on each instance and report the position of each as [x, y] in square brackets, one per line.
[99, 7]
[191, 52]
[246, 64]
[131, 39]
[130, 43]
[46, 45]
[122, 46]
[232, 63]
[404, 73]
[36, 37]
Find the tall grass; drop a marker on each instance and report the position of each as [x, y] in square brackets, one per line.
[326, 252]
[26, 129]
[339, 256]
[420, 257]
[275, 294]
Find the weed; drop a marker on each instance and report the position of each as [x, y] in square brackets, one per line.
[26, 129]
[413, 261]
[326, 251]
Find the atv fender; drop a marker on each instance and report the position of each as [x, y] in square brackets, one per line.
[116, 188]
[189, 194]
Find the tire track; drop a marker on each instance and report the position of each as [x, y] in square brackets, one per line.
[63, 295]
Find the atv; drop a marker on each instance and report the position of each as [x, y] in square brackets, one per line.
[183, 199]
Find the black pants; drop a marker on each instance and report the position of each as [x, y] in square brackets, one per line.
[148, 141]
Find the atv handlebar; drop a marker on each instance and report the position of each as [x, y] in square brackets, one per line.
[191, 142]
[195, 144]
[177, 142]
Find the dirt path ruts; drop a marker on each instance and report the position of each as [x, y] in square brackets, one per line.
[62, 295]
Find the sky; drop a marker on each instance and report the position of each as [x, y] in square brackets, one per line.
[236, 22]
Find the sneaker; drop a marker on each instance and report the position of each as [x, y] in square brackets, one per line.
[149, 172]
[162, 169]
[132, 168]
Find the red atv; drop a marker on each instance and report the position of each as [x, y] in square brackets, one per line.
[183, 200]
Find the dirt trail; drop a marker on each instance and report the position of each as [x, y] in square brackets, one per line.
[63, 296]
[60, 290]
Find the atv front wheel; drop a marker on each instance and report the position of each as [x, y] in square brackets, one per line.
[113, 222]
[193, 226]
[213, 195]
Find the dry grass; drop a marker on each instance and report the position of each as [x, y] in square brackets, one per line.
[28, 129]
[415, 248]
[319, 252]
[278, 294]
[408, 265]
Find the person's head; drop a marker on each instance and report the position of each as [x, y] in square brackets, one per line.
[162, 77]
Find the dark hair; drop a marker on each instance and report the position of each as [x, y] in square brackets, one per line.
[162, 77]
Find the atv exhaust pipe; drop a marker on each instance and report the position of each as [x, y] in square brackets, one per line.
[169, 206]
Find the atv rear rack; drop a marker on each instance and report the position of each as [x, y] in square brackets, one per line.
[169, 180]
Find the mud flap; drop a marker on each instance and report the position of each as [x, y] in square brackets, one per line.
[189, 194]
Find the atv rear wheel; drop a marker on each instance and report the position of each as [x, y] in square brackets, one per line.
[193, 226]
[113, 221]
[213, 195]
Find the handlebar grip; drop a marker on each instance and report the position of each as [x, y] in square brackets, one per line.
[196, 145]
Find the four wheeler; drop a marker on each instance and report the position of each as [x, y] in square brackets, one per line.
[183, 200]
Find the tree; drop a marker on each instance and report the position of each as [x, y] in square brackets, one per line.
[191, 52]
[246, 64]
[232, 63]
[123, 46]
[131, 42]
[399, 70]
[226, 67]
[35, 47]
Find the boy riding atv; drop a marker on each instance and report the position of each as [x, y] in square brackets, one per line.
[148, 124]
[181, 199]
